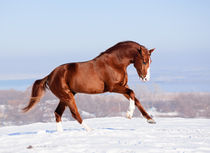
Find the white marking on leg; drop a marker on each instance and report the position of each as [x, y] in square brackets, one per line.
[59, 127]
[131, 109]
[86, 127]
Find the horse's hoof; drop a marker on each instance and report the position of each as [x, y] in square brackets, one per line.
[89, 130]
[86, 127]
[59, 127]
[129, 115]
[151, 121]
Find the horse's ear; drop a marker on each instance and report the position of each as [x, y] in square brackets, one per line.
[142, 53]
[151, 50]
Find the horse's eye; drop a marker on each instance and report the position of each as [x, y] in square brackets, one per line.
[144, 63]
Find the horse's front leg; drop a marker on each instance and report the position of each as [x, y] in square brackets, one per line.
[131, 97]
[143, 111]
[131, 109]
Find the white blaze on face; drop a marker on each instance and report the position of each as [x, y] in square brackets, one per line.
[147, 78]
[148, 74]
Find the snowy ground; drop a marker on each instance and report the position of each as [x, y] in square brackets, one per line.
[110, 135]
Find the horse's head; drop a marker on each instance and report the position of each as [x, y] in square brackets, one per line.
[142, 63]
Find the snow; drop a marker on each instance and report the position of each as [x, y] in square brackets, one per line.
[87, 114]
[110, 135]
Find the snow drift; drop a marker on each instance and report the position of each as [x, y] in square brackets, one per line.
[110, 135]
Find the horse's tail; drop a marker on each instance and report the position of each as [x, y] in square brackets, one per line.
[38, 89]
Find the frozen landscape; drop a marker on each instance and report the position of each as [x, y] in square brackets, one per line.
[110, 135]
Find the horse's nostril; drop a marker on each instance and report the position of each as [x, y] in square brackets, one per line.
[143, 77]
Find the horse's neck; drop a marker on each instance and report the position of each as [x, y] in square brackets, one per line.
[120, 59]
[126, 58]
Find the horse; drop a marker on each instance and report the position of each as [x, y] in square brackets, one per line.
[105, 73]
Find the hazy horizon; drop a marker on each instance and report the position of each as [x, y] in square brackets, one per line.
[37, 36]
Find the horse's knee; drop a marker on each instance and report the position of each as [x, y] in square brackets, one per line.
[59, 111]
[131, 94]
[57, 117]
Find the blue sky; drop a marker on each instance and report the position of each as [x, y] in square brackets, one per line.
[36, 36]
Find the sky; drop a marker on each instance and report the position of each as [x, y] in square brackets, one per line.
[36, 36]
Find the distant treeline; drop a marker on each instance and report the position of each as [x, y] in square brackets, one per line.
[157, 103]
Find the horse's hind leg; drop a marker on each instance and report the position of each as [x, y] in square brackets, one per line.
[75, 114]
[58, 114]
[67, 99]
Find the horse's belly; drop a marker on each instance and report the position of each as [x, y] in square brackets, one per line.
[88, 85]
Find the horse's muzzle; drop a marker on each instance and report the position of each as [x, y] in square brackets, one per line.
[145, 79]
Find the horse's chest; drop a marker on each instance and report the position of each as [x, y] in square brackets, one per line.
[118, 77]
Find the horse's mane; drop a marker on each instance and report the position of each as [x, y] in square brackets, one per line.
[121, 46]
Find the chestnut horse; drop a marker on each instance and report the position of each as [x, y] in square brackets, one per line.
[105, 73]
